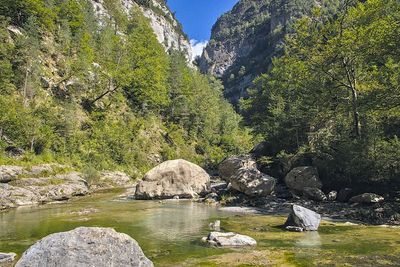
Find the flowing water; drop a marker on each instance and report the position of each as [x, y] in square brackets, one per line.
[169, 233]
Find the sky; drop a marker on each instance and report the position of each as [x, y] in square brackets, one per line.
[198, 17]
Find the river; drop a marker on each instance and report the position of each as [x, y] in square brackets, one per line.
[169, 233]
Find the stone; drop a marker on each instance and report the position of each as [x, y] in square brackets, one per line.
[110, 180]
[230, 166]
[173, 178]
[252, 182]
[7, 257]
[301, 177]
[344, 194]
[294, 229]
[45, 82]
[332, 195]
[215, 226]
[212, 196]
[12, 197]
[304, 218]
[85, 247]
[55, 188]
[314, 194]
[10, 173]
[367, 198]
[219, 239]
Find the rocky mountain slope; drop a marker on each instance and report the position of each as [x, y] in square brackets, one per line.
[167, 29]
[244, 40]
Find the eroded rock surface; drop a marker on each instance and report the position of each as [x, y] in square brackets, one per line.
[173, 178]
[85, 247]
[219, 239]
[231, 165]
[302, 177]
[304, 218]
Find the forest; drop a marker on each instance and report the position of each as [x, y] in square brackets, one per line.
[333, 98]
[104, 95]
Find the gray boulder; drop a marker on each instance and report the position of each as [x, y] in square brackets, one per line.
[173, 178]
[301, 177]
[10, 173]
[12, 197]
[314, 194]
[367, 198]
[85, 247]
[55, 188]
[7, 257]
[219, 239]
[252, 182]
[230, 166]
[344, 194]
[304, 218]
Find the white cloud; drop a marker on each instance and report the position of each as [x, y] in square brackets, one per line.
[197, 47]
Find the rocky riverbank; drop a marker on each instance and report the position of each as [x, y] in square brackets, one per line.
[23, 186]
[241, 184]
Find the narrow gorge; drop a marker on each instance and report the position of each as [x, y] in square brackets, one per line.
[120, 145]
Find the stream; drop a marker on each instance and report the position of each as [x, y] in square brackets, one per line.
[169, 233]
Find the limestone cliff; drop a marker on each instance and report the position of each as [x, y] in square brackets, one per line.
[167, 29]
[244, 40]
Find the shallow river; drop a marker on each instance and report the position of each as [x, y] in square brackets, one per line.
[169, 234]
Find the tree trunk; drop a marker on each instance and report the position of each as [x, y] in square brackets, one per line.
[352, 85]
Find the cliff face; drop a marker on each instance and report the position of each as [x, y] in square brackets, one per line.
[167, 29]
[244, 41]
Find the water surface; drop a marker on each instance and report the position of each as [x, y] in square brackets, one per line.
[169, 234]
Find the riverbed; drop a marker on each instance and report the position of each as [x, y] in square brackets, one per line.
[169, 233]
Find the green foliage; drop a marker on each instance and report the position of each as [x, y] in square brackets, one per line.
[334, 91]
[106, 96]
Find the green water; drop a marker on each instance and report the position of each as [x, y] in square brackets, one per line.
[169, 234]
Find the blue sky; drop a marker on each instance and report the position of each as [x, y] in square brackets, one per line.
[198, 16]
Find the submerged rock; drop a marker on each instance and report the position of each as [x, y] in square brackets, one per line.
[304, 218]
[173, 178]
[230, 166]
[252, 182]
[367, 198]
[7, 257]
[215, 226]
[85, 247]
[302, 177]
[219, 239]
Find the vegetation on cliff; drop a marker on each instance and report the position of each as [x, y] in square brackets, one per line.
[105, 94]
[333, 99]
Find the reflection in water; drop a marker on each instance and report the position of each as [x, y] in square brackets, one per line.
[175, 222]
[309, 239]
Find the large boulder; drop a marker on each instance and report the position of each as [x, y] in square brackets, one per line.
[252, 182]
[314, 194]
[301, 177]
[367, 198]
[219, 239]
[304, 218]
[85, 247]
[230, 166]
[173, 178]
